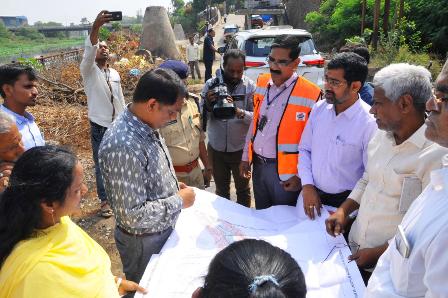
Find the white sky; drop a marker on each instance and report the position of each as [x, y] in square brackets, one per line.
[68, 11]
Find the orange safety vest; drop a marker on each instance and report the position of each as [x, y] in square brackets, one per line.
[298, 107]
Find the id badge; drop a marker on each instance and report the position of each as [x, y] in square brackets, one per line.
[402, 243]
[262, 123]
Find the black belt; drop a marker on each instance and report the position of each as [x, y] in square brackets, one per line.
[333, 199]
[143, 234]
[262, 159]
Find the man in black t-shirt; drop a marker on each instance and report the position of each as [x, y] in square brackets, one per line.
[209, 53]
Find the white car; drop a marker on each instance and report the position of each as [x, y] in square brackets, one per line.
[257, 43]
[230, 30]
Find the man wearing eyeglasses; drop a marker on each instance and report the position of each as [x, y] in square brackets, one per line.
[333, 149]
[415, 264]
[400, 160]
[282, 103]
[105, 100]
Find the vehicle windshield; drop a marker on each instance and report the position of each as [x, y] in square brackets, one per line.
[261, 46]
[230, 30]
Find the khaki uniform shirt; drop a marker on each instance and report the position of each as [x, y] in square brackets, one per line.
[182, 136]
[395, 175]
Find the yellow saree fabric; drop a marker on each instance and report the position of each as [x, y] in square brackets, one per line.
[62, 261]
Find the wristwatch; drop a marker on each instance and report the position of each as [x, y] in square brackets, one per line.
[241, 114]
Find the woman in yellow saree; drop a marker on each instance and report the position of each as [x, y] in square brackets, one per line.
[42, 252]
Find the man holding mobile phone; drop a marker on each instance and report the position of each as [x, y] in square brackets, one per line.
[105, 100]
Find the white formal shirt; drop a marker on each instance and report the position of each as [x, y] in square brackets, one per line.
[31, 135]
[425, 272]
[394, 177]
[333, 149]
[98, 93]
[192, 52]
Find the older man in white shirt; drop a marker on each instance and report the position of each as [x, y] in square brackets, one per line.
[333, 148]
[416, 263]
[105, 100]
[193, 58]
[400, 160]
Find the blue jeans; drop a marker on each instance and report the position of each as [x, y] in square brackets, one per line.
[96, 136]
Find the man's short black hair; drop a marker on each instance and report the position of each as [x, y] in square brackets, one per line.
[354, 66]
[290, 42]
[164, 85]
[210, 30]
[9, 74]
[363, 52]
[358, 49]
[235, 54]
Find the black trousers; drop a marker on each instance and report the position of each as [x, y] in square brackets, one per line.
[208, 69]
[334, 200]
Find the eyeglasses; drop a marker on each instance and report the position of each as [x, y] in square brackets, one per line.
[280, 63]
[351, 244]
[441, 99]
[333, 82]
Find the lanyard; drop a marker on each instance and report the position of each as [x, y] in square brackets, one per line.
[278, 94]
[107, 74]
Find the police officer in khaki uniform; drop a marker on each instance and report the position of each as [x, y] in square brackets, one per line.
[185, 139]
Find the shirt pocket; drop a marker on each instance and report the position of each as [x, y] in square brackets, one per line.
[173, 134]
[411, 188]
[346, 153]
[399, 266]
[196, 124]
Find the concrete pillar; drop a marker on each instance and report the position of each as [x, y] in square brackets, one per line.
[158, 36]
[179, 32]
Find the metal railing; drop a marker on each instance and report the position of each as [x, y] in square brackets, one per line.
[49, 61]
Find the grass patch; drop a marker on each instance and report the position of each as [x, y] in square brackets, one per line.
[23, 47]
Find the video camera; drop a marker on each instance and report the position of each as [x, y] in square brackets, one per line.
[222, 108]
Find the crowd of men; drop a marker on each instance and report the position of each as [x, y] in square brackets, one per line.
[300, 146]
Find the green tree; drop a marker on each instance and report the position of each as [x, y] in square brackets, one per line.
[427, 22]
[40, 24]
[4, 32]
[29, 33]
[431, 18]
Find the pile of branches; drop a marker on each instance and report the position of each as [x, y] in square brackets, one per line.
[62, 82]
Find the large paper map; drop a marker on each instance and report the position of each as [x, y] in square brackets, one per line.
[213, 223]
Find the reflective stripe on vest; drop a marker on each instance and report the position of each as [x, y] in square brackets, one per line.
[292, 123]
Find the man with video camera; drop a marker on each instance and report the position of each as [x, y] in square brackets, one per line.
[227, 106]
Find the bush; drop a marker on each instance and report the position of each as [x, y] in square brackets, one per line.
[104, 33]
[136, 28]
[30, 33]
[32, 62]
[386, 56]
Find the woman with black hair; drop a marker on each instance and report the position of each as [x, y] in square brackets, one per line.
[253, 269]
[42, 252]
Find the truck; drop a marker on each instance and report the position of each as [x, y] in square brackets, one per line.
[259, 12]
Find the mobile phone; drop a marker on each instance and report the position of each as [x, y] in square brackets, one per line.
[116, 15]
[402, 243]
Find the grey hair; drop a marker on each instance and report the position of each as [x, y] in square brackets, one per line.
[6, 122]
[403, 78]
